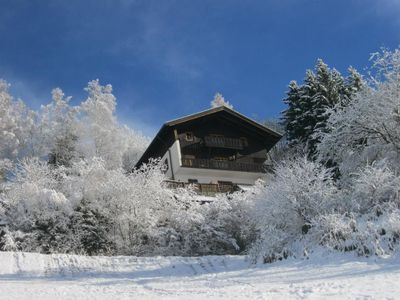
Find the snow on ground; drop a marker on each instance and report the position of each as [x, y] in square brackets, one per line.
[36, 276]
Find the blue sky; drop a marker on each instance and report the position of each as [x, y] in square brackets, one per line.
[166, 58]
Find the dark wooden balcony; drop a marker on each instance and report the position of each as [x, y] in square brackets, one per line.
[222, 165]
[207, 189]
[223, 142]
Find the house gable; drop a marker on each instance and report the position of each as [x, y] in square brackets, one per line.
[218, 121]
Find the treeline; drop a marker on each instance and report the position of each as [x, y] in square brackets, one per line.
[67, 184]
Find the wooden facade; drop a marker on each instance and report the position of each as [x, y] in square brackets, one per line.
[216, 139]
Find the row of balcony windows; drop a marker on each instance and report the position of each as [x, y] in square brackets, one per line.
[207, 189]
[223, 165]
[217, 141]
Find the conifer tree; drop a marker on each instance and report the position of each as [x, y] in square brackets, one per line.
[330, 91]
[292, 113]
[298, 118]
[353, 83]
[310, 104]
[306, 120]
[93, 229]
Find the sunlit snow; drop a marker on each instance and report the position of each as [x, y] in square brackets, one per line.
[37, 276]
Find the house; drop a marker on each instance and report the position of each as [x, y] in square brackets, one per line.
[217, 150]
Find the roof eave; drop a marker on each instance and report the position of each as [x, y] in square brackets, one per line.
[222, 108]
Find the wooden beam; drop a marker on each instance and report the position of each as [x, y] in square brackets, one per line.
[176, 134]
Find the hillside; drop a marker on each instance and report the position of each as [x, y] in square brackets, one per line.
[37, 276]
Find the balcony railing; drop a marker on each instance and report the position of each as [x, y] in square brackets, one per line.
[207, 189]
[222, 165]
[223, 142]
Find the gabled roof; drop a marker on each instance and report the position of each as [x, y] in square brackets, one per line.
[217, 109]
[161, 140]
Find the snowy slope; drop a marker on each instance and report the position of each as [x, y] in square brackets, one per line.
[36, 276]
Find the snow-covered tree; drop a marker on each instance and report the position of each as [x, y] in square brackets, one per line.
[134, 146]
[292, 114]
[55, 134]
[362, 216]
[100, 135]
[299, 118]
[37, 213]
[15, 123]
[368, 222]
[48, 203]
[300, 191]
[9, 141]
[93, 228]
[219, 100]
[310, 104]
[98, 132]
[367, 130]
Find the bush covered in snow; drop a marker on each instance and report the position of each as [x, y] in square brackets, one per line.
[88, 208]
[303, 208]
[300, 191]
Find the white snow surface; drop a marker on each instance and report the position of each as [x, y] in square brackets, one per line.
[59, 276]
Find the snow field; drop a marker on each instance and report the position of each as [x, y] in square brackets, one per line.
[37, 276]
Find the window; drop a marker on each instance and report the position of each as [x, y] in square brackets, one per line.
[220, 158]
[187, 160]
[217, 139]
[244, 141]
[225, 183]
[189, 136]
[192, 181]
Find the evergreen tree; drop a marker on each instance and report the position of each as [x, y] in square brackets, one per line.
[330, 91]
[292, 113]
[93, 229]
[306, 120]
[64, 152]
[50, 236]
[353, 83]
[298, 118]
[310, 104]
